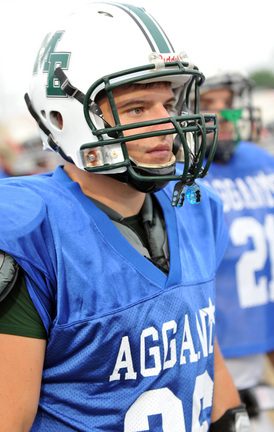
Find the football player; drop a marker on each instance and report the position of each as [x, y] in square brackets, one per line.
[242, 174]
[108, 263]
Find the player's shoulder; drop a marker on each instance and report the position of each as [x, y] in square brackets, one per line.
[30, 188]
[20, 192]
[21, 204]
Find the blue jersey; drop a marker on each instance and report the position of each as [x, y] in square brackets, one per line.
[129, 348]
[245, 280]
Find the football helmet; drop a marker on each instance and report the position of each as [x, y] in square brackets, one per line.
[246, 118]
[101, 47]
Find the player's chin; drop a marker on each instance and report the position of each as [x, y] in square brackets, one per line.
[158, 157]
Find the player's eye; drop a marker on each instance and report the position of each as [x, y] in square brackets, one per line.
[137, 110]
[169, 107]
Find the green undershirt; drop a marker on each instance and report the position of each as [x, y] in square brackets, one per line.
[18, 315]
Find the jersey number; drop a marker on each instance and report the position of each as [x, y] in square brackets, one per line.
[254, 291]
[161, 410]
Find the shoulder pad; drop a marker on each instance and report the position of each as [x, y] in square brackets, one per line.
[9, 270]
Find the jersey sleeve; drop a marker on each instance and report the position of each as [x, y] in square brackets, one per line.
[26, 234]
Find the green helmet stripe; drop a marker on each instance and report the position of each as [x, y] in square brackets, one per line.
[151, 26]
[151, 29]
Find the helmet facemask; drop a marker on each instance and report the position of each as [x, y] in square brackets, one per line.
[189, 132]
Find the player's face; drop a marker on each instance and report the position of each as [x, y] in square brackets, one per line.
[144, 104]
[215, 101]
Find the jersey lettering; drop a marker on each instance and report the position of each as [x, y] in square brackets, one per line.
[151, 340]
[124, 360]
[187, 344]
[169, 347]
[245, 193]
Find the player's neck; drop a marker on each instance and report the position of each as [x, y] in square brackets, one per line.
[119, 196]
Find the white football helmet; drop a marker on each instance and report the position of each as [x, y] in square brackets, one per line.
[103, 46]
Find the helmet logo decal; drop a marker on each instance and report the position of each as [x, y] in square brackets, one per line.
[49, 60]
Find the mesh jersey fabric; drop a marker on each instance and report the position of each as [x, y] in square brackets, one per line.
[128, 347]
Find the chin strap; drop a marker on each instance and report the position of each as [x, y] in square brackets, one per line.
[74, 92]
[187, 188]
[67, 87]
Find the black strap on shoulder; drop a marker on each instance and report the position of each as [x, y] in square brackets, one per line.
[9, 270]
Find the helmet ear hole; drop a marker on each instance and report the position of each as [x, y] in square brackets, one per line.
[56, 119]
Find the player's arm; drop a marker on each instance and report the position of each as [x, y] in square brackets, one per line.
[225, 394]
[22, 361]
[227, 407]
[22, 350]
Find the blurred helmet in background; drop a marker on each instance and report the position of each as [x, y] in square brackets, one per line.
[229, 94]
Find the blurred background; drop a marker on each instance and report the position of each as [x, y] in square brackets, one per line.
[215, 34]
